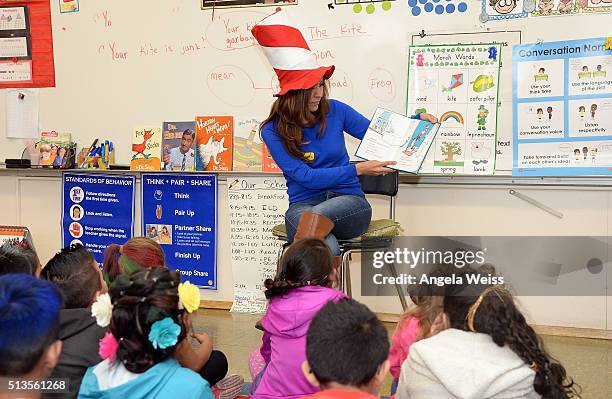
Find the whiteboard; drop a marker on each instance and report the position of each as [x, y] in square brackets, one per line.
[125, 64]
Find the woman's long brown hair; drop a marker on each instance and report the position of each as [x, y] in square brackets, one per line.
[290, 113]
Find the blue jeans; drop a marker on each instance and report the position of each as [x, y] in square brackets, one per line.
[351, 215]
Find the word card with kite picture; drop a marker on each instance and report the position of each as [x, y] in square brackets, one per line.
[459, 84]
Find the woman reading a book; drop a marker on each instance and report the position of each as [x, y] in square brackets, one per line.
[305, 135]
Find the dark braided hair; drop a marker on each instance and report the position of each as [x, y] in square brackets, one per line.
[306, 262]
[139, 300]
[498, 316]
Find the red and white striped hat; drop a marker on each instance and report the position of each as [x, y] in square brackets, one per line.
[286, 49]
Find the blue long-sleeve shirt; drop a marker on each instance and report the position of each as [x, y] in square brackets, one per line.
[330, 170]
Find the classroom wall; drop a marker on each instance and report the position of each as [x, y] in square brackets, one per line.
[428, 209]
[125, 64]
[115, 71]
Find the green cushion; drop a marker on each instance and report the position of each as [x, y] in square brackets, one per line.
[380, 228]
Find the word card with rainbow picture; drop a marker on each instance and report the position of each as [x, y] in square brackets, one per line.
[458, 84]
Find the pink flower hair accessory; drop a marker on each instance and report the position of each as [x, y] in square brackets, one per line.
[108, 347]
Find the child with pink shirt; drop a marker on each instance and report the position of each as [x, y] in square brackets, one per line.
[414, 325]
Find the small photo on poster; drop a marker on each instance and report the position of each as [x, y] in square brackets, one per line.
[590, 75]
[590, 117]
[160, 233]
[541, 78]
[76, 230]
[541, 120]
[76, 194]
[76, 212]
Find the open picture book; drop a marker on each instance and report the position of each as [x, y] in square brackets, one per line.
[396, 137]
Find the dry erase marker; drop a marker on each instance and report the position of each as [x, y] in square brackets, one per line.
[93, 145]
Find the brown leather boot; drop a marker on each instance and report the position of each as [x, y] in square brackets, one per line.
[313, 225]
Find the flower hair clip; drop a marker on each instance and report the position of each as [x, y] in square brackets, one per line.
[189, 297]
[102, 310]
[164, 333]
[108, 347]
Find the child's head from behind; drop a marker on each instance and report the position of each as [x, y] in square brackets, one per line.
[307, 262]
[75, 271]
[348, 346]
[491, 310]
[18, 257]
[29, 326]
[428, 304]
[136, 253]
[146, 320]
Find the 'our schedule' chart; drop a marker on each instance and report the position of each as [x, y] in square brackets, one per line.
[563, 108]
[256, 205]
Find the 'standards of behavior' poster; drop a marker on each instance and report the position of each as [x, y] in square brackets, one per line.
[97, 210]
[562, 106]
[458, 84]
[179, 211]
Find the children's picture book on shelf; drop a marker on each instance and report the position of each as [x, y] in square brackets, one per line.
[267, 163]
[54, 149]
[146, 148]
[214, 137]
[247, 146]
[18, 235]
[178, 146]
[395, 137]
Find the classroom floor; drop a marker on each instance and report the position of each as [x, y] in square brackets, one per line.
[588, 361]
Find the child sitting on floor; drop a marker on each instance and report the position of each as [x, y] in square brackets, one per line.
[138, 351]
[346, 350]
[414, 325]
[29, 332]
[136, 253]
[300, 289]
[75, 271]
[17, 256]
[485, 349]
[140, 253]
